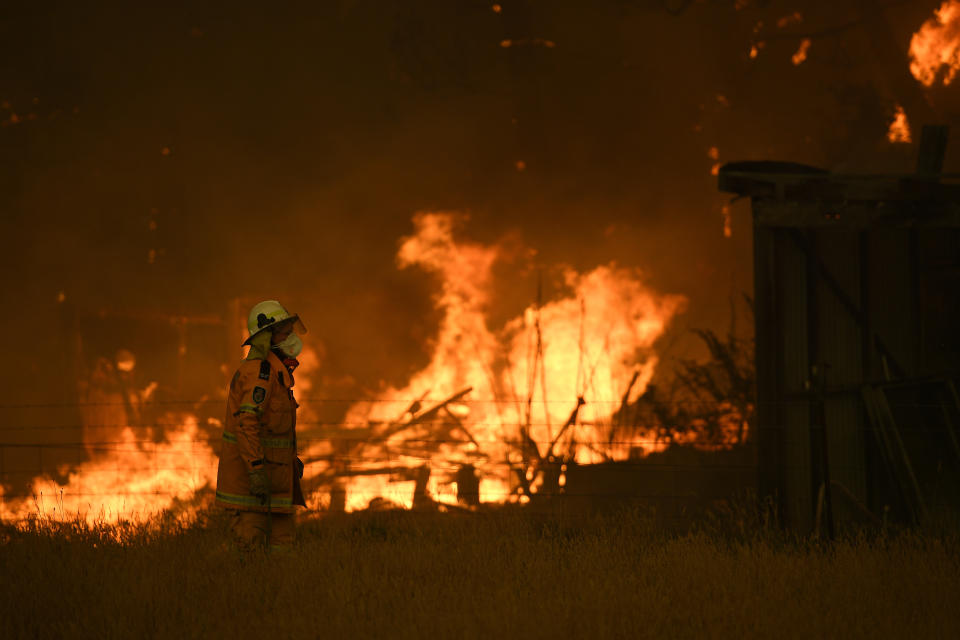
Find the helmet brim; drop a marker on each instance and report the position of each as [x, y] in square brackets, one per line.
[298, 327]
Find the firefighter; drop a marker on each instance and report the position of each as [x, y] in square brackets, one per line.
[258, 479]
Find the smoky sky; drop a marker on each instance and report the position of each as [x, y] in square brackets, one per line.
[172, 157]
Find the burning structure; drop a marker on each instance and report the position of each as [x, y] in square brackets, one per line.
[499, 414]
[858, 356]
[502, 413]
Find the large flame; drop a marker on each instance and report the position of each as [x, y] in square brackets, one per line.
[491, 410]
[525, 379]
[935, 47]
[128, 478]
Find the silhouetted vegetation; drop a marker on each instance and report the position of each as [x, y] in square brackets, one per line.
[712, 399]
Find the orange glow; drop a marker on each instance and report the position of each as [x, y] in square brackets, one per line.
[713, 153]
[801, 55]
[165, 151]
[900, 127]
[128, 478]
[497, 8]
[935, 47]
[796, 16]
[755, 49]
[727, 229]
[540, 42]
[596, 335]
[520, 165]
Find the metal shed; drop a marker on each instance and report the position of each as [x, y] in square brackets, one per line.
[857, 301]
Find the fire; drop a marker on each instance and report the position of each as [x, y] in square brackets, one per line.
[900, 127]
[496, 405]
[787, 20]
[127, 478]
[546, 382]
[935, 47]
[801, 55]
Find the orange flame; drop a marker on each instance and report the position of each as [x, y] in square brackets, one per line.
[801, 55]
[592, 341]
[787, 20]
[900, 127]
[127, 479]
[935, 47]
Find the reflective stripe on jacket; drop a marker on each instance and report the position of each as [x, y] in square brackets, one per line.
[260, 427]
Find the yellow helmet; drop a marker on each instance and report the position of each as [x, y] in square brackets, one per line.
[267, 315]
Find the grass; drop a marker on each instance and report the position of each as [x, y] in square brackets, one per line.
[497, 574]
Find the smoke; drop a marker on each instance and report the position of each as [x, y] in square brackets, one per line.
[179, 157]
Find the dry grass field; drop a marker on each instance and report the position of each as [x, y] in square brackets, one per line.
[489, 575]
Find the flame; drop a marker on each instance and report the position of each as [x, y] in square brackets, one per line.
[789, 19]
[594, 340]
[900, 127]
[548, 382]
[127, 478]
[801, 55]
[935, 47]
[537, 42]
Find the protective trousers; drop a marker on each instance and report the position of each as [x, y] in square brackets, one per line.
[251, 528]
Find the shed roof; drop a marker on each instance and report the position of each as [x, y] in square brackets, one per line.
[790, 194]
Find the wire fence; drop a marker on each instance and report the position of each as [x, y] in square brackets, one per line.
[339, 448]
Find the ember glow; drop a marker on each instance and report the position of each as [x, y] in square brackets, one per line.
[127, 478]
[899, 130]
[787, 20]
[511, 386]
[801, 55]
[935, 47]
[727, 227]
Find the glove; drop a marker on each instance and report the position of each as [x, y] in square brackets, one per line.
[260, 484]
[299, 468]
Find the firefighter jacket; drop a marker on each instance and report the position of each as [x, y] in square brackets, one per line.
[260, 432]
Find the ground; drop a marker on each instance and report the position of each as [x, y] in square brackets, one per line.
[497, 574]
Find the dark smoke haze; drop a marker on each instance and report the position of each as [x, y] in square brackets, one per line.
[281, 149]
